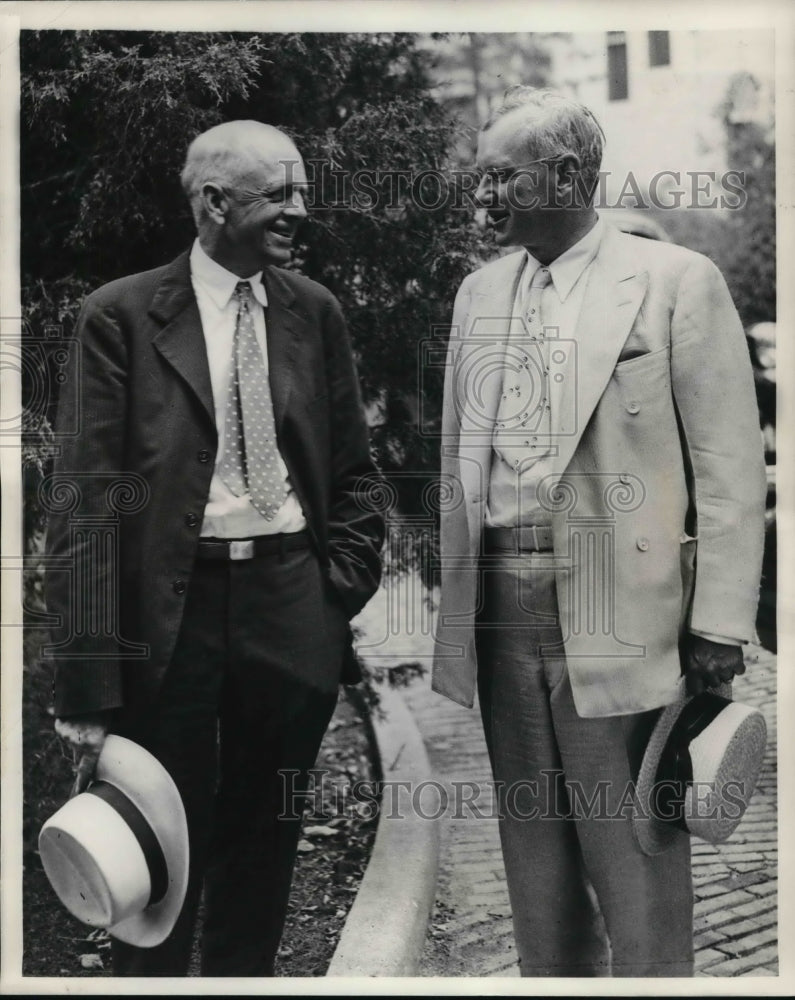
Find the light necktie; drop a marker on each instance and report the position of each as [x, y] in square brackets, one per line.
[523, 430]
[251, 459]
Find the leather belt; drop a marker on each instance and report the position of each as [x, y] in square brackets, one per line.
[234, 549]
[527, 538]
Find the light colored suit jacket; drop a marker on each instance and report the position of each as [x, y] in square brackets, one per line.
[658, 485]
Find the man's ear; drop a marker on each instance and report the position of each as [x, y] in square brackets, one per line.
[216, 202]
[568, 169]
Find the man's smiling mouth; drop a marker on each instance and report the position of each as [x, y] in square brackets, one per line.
[497, 216]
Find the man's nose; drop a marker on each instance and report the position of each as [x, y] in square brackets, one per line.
[484, 192]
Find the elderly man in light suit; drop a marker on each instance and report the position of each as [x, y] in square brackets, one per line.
[604, 537]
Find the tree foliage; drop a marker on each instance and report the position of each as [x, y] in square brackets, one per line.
[751, 267]
[742, 241]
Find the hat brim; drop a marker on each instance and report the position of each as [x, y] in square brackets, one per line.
[141, 777]
[652, 834]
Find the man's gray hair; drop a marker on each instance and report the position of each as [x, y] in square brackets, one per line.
[222, 155]
[553, 125]
[209, 160]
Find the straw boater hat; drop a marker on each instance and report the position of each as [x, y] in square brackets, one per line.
[699, 770]
[117, 854]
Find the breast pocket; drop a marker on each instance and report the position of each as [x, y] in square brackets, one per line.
[643, 380]
[643, 365]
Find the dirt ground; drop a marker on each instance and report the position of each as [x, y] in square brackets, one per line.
[333, 855]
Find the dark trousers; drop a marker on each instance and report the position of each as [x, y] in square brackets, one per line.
[586, 901]
[237, 722]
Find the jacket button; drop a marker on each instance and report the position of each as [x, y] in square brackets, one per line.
[642, 543]
[191, 520]
[179, 586]
[633, 406]
[203, 456]
[623, 478]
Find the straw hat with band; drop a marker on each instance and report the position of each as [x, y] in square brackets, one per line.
[699, 770]
[117, 854]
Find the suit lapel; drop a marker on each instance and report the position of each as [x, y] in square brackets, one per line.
[612, 298]
[180, 341]
[479, 375]
[285, 330]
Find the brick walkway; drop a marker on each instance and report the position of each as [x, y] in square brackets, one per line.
[470, 932]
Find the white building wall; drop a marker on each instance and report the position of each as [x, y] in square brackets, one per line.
[669, 120]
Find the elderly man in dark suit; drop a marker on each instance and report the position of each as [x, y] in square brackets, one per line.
[600, 429]
[220, 392]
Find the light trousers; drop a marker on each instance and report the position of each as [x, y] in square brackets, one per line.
[586, 901]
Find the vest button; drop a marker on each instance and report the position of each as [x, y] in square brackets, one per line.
[203, 456]
[179, 586]
[633, 406]
[191, 520]
[643, 544]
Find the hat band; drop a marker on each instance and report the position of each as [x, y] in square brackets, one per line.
[675, 767]
[143, 832]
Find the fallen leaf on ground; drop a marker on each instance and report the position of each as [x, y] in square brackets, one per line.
[91, 962]
[304, 847]
[320, 831]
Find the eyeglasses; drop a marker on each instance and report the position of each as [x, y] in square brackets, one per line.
[507, 173]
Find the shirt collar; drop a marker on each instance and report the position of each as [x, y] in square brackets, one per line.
[568, 268]
[220, 283]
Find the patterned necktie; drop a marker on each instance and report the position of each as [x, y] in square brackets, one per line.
[522, 433]
[251, 459]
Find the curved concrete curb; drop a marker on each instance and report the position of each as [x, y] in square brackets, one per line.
[385, 931]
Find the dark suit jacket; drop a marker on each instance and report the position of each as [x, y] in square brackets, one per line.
[128, 491]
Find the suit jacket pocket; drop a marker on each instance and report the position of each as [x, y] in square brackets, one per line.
[641, 364]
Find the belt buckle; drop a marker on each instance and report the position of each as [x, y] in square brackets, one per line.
[242, 549]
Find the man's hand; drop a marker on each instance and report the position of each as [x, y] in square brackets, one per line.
[708, 664]
[85, 734]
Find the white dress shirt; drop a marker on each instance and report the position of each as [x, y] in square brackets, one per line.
[227, 515]
[512, 495]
